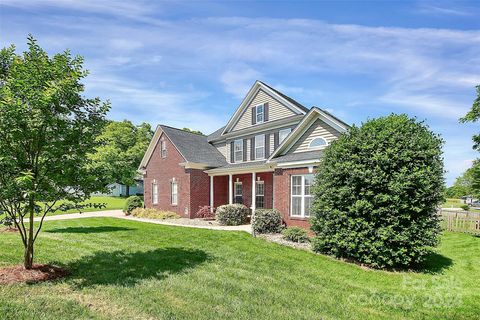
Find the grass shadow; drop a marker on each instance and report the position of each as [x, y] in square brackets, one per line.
[434, 263]
[127, 269]
[88, 229]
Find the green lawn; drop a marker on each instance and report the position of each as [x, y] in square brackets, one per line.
[131, 270]
[112, 203]
[452, 203]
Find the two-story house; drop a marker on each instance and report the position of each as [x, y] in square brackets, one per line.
[264, 157]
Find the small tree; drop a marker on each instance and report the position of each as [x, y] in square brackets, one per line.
[377, 190]
[122, 146]
[47, 128]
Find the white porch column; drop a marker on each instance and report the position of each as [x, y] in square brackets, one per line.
[211, 193]
[230, 189]
[254, 177]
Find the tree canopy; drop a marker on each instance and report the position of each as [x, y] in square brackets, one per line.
[47, 127]
[376, 190]
[122, 146]
[473, 116]
[193, 131]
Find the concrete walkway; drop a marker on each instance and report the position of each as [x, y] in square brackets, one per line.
[119, 214]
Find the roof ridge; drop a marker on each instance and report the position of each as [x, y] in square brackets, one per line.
[285, 96]
[178, 129]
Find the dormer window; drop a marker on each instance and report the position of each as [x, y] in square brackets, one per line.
[317, 143]
[260, 113]
[163, 148]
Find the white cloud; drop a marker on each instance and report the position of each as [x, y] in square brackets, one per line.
[239, 80]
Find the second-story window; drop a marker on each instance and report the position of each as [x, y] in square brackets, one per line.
[260, 110]
[238, 150]
[282, 134]
[163, 148]
[260, 146]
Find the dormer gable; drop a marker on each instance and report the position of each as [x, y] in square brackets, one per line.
[263, 104]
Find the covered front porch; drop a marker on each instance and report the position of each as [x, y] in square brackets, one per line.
[252, 189]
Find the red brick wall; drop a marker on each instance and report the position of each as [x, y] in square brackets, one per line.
[163, 170]
[281, 195]
[199, 190]
[220, 190]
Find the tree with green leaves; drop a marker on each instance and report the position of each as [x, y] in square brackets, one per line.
[48, 127]
[377, 190]
[193, 131]
[473, 116]
[122, 146]
[466, 184]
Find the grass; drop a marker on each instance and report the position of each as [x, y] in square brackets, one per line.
[112, 203]
[131, 270]
[452, 203]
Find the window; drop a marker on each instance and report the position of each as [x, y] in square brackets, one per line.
[154, 193]
[174, 192]
[238, 150]
[238, 192]
[260, 113]
[301, 195]
[317, 143]
[260, 146]
[163, 148]
[259, 194]
[282, 134]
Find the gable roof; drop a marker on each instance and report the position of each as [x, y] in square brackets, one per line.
[314, 114]
[214, 135]
[285, 100]
[193, 147]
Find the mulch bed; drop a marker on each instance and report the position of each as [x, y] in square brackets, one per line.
[39, 272]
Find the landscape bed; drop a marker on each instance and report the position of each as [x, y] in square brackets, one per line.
[132, 270]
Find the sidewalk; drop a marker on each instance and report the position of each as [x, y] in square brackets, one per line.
[119, 214]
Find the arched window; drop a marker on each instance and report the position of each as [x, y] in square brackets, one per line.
[317, 143]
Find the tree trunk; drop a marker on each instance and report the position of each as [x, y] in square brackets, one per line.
[28, 262]
[128, 190]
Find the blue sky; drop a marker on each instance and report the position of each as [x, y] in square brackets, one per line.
[190, 63]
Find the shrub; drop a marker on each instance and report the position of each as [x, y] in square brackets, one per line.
[7, 222]
[465, 207]
[267, 221]
[154, 214]
[231, 214]
[376, 191]
[295, 234]
[205, 213]
[132, 203]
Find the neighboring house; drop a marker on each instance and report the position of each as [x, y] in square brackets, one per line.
[264, 157]
[120, 190]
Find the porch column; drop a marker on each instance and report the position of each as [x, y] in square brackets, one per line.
[211, 194]
[230, 189]
[254, 177]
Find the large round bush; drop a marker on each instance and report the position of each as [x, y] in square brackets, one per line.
[231, 214]
[132, 202]
[267, 221]
[376, 193]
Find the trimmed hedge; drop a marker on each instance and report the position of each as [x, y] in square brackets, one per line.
[295, 234]
[377, 190]
[231, 214]
[154, 214]
[267, 221]
[465, 207]
[132, 202]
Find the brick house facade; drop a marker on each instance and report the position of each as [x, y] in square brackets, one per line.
[265, 157]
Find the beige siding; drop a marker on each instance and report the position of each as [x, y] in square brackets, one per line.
[276, 110]
[222, 148]
[318, 129]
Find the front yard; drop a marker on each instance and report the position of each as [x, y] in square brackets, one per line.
[131, 270]
[111, 203]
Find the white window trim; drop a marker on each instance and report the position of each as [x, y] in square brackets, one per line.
[261, 139]
[288, 130]
[262, 113]
[172, 194]
[302, 196]
[259, 195]
[163, 148]
[320, 147]
[235, 151]
[154, 193]
[235, 195]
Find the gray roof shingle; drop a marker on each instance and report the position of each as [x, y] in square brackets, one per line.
[194, 147]
[214, 135]
[300, 156]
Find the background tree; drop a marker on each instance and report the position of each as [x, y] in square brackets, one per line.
[466, 184]
[376, 193]
[193, 131]
[122, 146]
[47, 129]
[472, 116]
